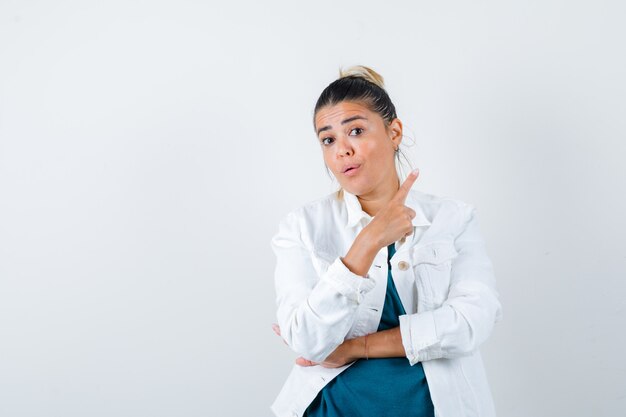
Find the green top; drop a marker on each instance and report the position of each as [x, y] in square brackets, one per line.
[377, 387]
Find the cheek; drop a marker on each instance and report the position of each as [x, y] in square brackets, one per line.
[329, 162]
[326, 156]
[367, 149]
[374, 152]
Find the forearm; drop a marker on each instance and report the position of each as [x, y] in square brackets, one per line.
[317, 298]
[315, 314]
[382, 344]
[361, 254]
[456, 328]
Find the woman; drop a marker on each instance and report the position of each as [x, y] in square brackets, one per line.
[385, 292]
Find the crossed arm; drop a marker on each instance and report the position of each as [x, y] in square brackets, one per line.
[315, 313]
[382, 344]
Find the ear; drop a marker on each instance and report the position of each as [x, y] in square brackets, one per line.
[395, 132]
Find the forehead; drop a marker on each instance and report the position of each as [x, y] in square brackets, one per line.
[333, 115]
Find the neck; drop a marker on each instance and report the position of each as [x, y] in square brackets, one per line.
[372, 202]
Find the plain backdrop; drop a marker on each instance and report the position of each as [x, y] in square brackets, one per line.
[148, 150]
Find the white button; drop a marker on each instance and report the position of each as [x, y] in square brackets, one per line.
[403, 265]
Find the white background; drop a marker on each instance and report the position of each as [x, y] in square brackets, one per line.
[149, 149]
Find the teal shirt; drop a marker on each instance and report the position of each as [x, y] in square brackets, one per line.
[377, 387]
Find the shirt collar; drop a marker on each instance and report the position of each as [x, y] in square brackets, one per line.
[356, 213]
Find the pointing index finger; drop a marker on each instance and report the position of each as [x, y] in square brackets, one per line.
[403, 191]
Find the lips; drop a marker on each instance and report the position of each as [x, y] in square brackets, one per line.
[350, 167]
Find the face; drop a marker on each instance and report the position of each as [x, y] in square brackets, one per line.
[358, 148]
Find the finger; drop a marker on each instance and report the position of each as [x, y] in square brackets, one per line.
[403, 191]
[276, 328]
[412, 212]
[305, 362]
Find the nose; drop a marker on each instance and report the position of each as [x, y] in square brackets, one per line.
[344, 148]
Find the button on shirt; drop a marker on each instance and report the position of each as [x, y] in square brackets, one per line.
[443, 277]
[401, 389]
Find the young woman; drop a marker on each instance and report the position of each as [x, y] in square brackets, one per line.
[385, 292]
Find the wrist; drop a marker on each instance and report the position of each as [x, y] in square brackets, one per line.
[361, 254]
[358, 348]
[369, 241]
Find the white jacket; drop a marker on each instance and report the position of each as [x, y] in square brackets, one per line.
[443, 276]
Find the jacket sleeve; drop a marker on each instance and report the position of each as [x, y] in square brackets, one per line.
[315, 312]
[466, 318]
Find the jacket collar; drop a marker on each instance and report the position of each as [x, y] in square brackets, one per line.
[356, 213]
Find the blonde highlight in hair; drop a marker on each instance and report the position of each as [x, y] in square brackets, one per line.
[358, 84]
[361, 71]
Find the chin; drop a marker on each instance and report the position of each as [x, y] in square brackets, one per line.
[356, 190]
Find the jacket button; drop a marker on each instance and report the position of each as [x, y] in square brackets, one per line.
[403, 265]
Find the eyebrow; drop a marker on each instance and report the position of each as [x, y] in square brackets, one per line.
[348, 120]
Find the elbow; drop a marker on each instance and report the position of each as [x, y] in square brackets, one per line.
[311, 349]
[466, 344]
[307, 341]
[473, 326]
[463, 342]
[318, 353]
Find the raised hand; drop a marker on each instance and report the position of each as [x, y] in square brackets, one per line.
[394, 221]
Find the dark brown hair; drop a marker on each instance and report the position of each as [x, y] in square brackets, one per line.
[365, 86]
[359, 84]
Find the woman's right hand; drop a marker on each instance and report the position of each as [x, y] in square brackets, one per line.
[391, 223]
[394, 221]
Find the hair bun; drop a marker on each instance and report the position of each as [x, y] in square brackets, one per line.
[364, 72]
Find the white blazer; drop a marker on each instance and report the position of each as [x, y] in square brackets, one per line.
[443, 276]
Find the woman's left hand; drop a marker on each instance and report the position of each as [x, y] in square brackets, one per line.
[342, 355]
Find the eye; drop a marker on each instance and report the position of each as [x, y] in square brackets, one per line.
[324, 141]
[357, 128]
